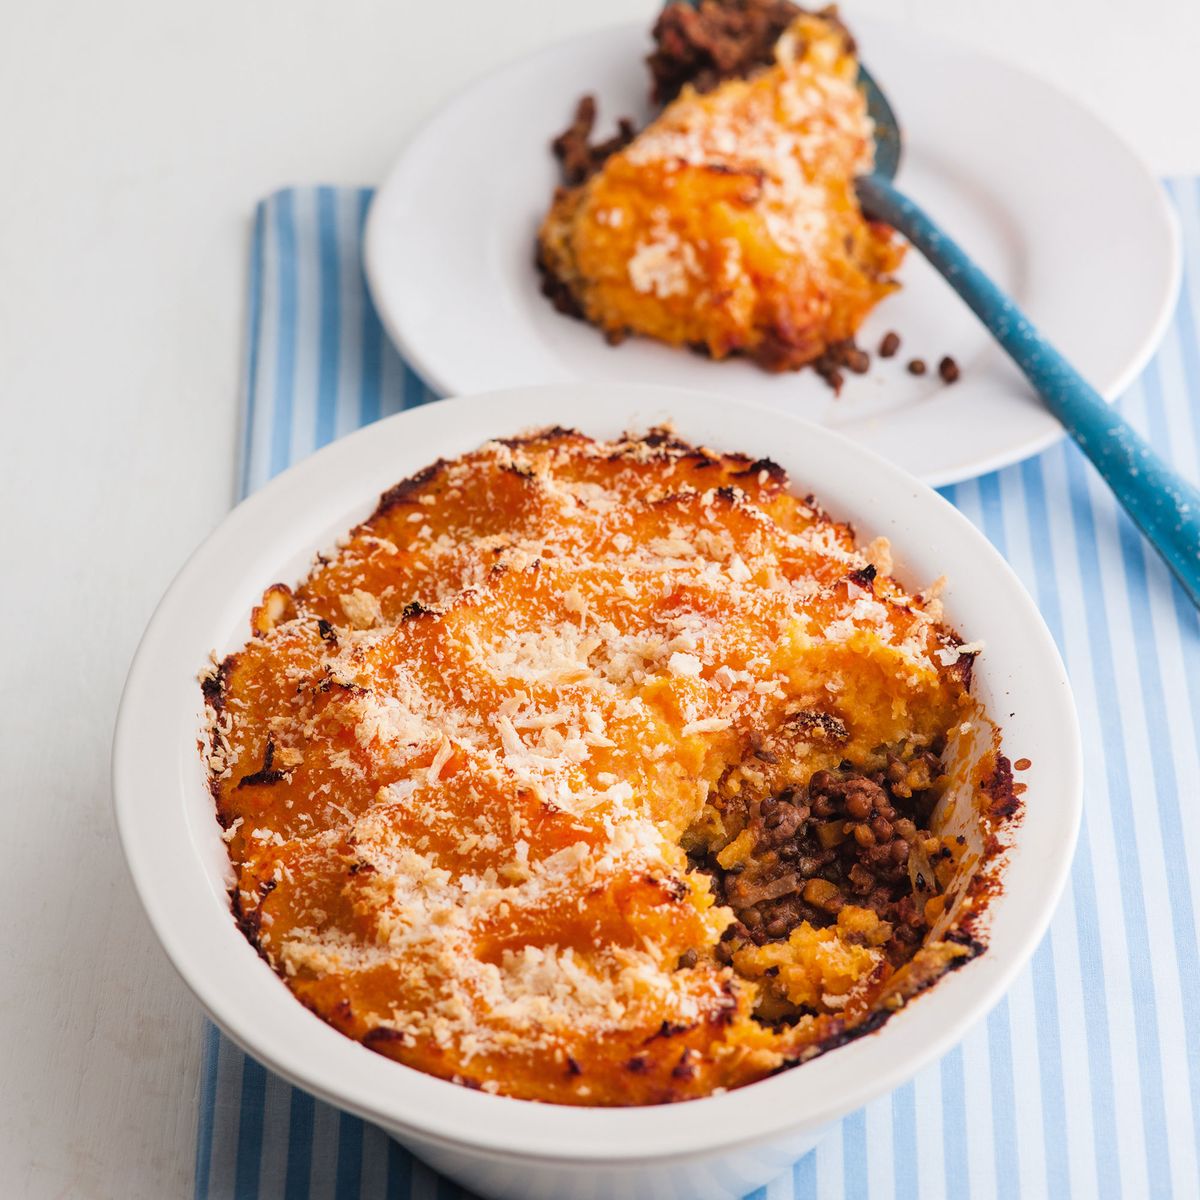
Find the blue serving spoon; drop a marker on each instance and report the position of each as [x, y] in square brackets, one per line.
[1163, 505]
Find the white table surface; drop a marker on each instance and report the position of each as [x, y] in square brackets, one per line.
[135, 137]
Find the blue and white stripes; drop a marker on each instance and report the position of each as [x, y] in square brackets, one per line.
[1085, 1080]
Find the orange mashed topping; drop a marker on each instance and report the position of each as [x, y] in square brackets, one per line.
[460, 768]
[730, 224]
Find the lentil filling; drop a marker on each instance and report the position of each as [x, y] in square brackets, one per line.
[848, 838]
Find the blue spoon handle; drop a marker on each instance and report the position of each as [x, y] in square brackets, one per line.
[1164, 506]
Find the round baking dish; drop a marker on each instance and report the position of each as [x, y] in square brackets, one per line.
[721, 1146]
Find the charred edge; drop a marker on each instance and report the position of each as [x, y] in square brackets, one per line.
[669, 1030]
[342, 1010]
[267, 773]
[250, 923]
[381, 1035]
[864, 576]
[261, 779]
[661, 438]
[573, 1068]
[215, 684]
[963, 669]
[973, 946]
[666, 446]
[843, 1036]
[556, 289]
[814, 506]
[1003, 801]
[360, 868]
[776, 473]
[637, 1064]
[657, 458]
[326, 631]
[824, 724]
[403, 492]
[551, 433]
[525, 473]
[414, 609]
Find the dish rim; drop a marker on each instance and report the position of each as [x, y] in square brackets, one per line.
[303, 510]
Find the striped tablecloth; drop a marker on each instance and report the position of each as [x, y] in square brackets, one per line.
[1085, 1080]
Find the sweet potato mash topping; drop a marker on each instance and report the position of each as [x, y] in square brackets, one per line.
[730, 223]
[568, 774]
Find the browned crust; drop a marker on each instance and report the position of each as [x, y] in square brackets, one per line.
[774, 471]
[250, 921]
[214, 685]
[1004, 804]
[268, 773]
[775, 353]
[551, 433]
[876, 1020]
[402, 492]
[556, 289]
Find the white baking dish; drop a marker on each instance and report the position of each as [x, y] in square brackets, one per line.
[721, 1146]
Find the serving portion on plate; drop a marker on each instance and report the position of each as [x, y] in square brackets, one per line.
[433, 846]
[605, 773]
[729, 224]
[722, 182]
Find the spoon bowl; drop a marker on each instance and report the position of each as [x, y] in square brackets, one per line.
[889, 141]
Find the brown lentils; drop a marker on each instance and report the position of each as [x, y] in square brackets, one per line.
[842, 840]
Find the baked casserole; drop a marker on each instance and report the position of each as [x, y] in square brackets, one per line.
[604, 773]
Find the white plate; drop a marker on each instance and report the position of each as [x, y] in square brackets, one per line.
[719, 1146]
[1043, 195]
